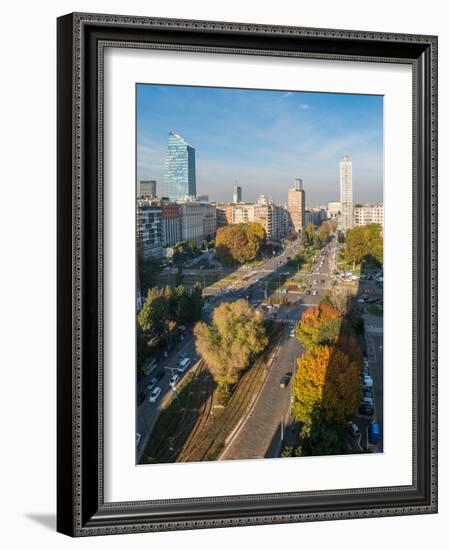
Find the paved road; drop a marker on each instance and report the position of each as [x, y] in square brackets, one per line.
[147, 413]
[261, 434]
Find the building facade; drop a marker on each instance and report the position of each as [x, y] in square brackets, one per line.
[149, 229]
[346, 218]
[369, 213]
[334, 210]
[180, 170]
[171, 223]
[296, 206]
[147, 188]
[198, 221]
[237, 194]
[315, 216]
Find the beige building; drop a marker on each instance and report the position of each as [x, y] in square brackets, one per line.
[296, 205]
[198, 221]
[369, 213]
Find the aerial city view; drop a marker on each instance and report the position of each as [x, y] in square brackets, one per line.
[259, 285]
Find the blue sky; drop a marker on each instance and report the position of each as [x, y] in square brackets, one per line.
[264, 139]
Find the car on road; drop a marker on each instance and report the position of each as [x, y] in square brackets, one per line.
[184, 364]
[353, 429]
[154, 396]
[174, 379]
[138, 439]
[285, 379]
[292, 333]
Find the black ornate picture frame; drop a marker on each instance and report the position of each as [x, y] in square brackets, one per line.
[81, 510]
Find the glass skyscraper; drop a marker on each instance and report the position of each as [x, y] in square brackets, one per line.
[179, 174]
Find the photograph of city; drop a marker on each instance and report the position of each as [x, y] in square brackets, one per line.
[259, 274]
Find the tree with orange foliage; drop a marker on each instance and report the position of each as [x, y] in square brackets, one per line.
[319, 325]
[325, 388]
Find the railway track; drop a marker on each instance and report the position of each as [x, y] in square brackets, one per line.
[211, 442]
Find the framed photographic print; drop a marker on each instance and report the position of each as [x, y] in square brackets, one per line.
[246, 274]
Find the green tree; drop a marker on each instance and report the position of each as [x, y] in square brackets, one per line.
[153, 316]
[149, 269]
[233, 339]
[324, 231]
[364, 242]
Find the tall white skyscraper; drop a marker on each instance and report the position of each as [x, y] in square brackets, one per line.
[346, 220]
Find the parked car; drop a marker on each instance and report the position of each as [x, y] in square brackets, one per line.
[285, 379]
[292, 333]
[154, 396]
[315, 293]
[152, 383]
[323, 281]
[138, 439]
[174, 379]
[353, 428]
[366, 401]
[149, 368]
[366, 410]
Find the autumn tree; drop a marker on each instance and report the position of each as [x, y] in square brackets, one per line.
[325, 387]
[231, 341]
[324, 231]
[319, 325]
[239, 243]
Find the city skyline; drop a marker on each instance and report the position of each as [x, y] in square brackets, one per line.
[244, 137]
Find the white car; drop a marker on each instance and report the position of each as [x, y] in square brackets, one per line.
[154, 396]
[174, 379]
[292, 333]
[315, 293]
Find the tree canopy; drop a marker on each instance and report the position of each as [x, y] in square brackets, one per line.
[319, 325]
[239, 243]
[169, 306]
[231, 341]
[364, 243]
[326, 387]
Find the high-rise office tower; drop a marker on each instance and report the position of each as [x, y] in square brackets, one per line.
[237, 196]
[296, 205]
[180, 173]
[347, 218]
[147, 188]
